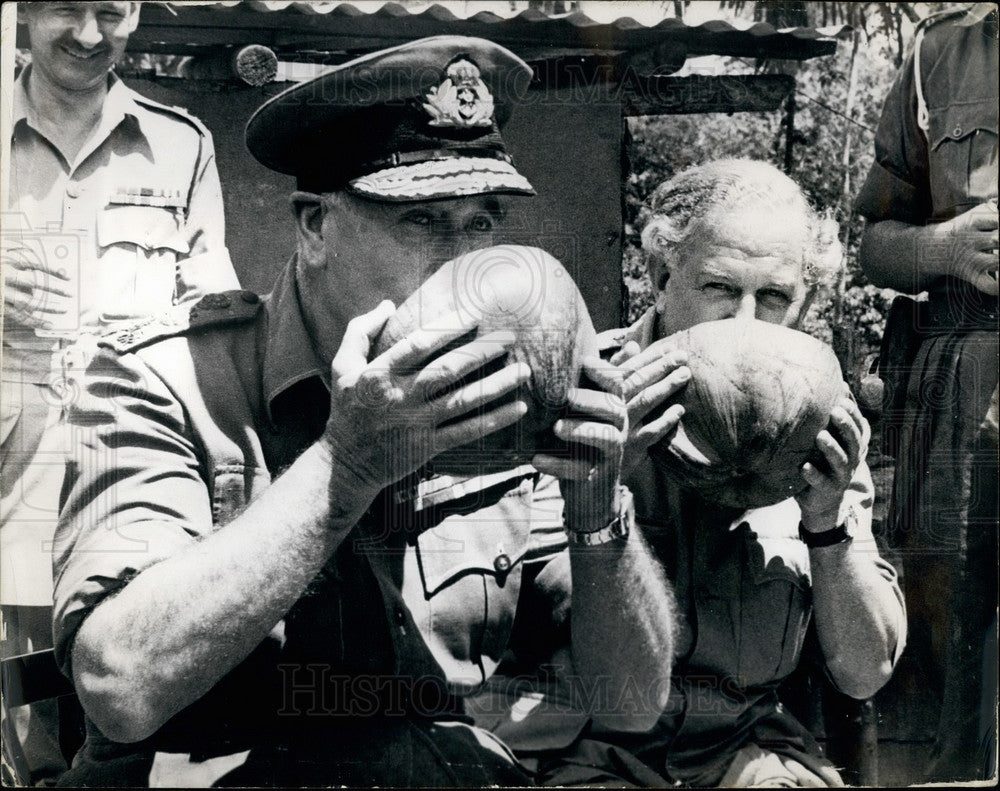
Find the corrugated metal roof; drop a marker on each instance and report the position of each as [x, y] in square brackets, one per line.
[352, 27]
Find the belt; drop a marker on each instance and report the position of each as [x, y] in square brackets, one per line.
[959, 306]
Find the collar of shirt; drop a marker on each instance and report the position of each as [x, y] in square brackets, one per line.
[643, 331]
[119, 104]
[289, 355]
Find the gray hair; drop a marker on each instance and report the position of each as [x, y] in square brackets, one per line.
[733, 184]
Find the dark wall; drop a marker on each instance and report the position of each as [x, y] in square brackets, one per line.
[259, 231]
[570, 152]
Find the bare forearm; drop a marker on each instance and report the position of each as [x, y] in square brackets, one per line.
[910, 257]
[169, 635]
[623, 621]
[859, 616]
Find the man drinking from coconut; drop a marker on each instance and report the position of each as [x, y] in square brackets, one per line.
[751, 552]
[259, 580]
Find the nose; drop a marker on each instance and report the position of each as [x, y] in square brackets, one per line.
[87, 33]
[466, 243]
[451, 241]
[746, 307]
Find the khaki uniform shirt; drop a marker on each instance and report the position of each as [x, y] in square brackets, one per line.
[742, 582]
[930, 175]
[422, 600]
[135, 222]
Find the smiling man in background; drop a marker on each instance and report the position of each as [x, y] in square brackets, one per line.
[114, 212]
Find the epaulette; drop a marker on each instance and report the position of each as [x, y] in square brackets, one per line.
[941, 16]
[172, 110]
[925, 24]
[212, 310]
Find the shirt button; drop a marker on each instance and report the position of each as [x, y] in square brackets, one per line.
[73, 190]
[502, 563]
[957, 132]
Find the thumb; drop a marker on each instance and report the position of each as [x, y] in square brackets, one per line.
[358, 338]
[626, 352]
[987, 282]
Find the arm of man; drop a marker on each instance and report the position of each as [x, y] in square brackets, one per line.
[898, 248]
[857, 602]
[909, 258]
[197, 608]
[622, 616]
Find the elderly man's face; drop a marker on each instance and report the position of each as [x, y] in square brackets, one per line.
[73, 45]
[372, 251]
[736, 265]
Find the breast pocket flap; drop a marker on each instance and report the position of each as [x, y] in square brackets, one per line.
[959, 121]
[483, 542]
[149, 227]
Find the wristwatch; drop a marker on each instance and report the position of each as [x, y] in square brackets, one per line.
[617, 528]
[837, 535]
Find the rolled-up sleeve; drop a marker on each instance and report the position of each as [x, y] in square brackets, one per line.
[897, 186]
[859, 498]
[134, 491]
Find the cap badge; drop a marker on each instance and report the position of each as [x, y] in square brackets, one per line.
[462, 100]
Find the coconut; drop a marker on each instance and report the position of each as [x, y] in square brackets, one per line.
[524, 290]
[759, 394]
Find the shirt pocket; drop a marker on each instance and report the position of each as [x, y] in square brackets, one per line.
[752, 613]
[469, 568]
[776, 606]
[139, 250]
[963, 141]
[480, 543]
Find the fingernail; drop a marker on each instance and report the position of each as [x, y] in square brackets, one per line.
[683, 373]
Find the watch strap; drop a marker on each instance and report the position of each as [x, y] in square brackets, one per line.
[827, 538]
[617, 528]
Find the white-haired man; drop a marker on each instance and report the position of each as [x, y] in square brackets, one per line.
[736, 239]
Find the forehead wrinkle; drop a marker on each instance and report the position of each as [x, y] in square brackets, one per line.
[718, 264]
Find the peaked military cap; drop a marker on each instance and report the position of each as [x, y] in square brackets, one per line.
[414, 122]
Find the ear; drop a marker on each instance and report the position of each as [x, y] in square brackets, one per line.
[133, 21]
[658, 271]
[658, 241]
[309, 210]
